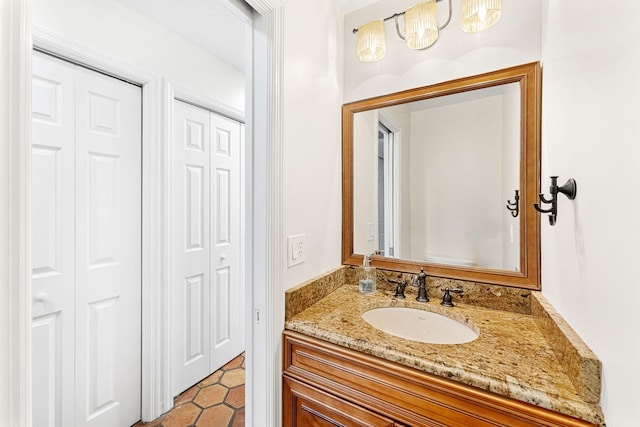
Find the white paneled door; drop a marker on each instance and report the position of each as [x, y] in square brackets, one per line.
[207, 287]
[86, 247]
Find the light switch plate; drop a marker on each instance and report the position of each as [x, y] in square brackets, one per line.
[371, 232]
[296, 249]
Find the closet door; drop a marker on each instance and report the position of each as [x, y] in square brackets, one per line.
[52, 241]
[190, 246]
[227, 288]
[86, 247]
[108, 250]
[207, 285]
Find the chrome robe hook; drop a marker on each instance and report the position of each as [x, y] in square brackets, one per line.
[569, 189]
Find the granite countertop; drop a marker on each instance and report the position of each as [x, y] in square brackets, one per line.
[527, 355]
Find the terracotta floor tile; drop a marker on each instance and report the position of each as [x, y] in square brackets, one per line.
[235, 363]
[211, 395]
[154, 423]
[235, 397]
[211, 379]
[221, 395]
[233, 378]
[216, 416]
[238, 418]
[182, 416]
[186, 396]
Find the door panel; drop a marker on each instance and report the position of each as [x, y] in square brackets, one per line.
[227, 338]
[190, 246]
[108, 230]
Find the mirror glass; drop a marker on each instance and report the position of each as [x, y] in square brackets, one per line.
[444, 178]
[432, 179]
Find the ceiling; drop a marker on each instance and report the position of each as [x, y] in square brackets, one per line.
[209, 24]
[348, 6]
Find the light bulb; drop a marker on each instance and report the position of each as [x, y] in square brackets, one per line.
[482, 13]
[479, 15]
[421, 26]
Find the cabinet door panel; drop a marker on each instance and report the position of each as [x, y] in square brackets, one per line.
[306, 406]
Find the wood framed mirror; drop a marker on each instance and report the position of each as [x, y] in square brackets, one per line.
[444, 177]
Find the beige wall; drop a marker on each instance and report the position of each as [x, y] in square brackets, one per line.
[312, 134]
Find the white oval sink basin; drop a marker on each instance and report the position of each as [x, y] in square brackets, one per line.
[419, 325]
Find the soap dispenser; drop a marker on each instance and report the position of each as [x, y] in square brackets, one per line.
[367, 285]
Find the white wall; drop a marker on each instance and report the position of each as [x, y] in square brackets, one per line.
[514, 40]
[312, 133]
[110, 27]
[591, 132]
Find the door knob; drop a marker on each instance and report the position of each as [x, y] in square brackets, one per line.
[41, 297]
[223, 257]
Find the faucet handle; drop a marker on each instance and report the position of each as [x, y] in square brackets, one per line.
[446, 298]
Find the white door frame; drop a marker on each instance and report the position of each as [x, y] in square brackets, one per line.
[265, 292]
[266, 257]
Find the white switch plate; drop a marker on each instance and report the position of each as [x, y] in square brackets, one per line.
[296, 249]
[371, 231]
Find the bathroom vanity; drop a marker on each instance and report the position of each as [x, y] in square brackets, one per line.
[526, 368]
[479, 234]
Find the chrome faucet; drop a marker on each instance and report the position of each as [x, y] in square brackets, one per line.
[422, 286]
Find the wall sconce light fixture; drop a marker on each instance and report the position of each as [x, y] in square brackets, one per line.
[421, 26]
[371, 41]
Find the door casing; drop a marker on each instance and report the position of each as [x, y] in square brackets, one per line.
[264, 227]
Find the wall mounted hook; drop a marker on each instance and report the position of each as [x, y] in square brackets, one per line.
[514, 207]
[569, 189]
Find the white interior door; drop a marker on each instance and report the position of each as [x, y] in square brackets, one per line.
[227, 288]
[190, 246]
[87, 201]
[108, 250]
[208, 308]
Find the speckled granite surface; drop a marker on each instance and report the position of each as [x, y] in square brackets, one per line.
[579, 362]
[512, 356]
[308, 293]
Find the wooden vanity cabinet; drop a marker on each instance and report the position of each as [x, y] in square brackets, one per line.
[329, 385]
[310, 407]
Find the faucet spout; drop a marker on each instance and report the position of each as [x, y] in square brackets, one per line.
[422, 287]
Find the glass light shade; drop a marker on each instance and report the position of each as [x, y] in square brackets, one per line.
[478, 15]
[421, 29]
[371, 41]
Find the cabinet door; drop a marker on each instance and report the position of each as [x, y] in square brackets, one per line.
[306, 406]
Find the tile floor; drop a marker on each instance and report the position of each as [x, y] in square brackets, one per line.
[216, 401]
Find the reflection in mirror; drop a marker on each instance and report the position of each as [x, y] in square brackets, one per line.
[431, 174]
[433, 178]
